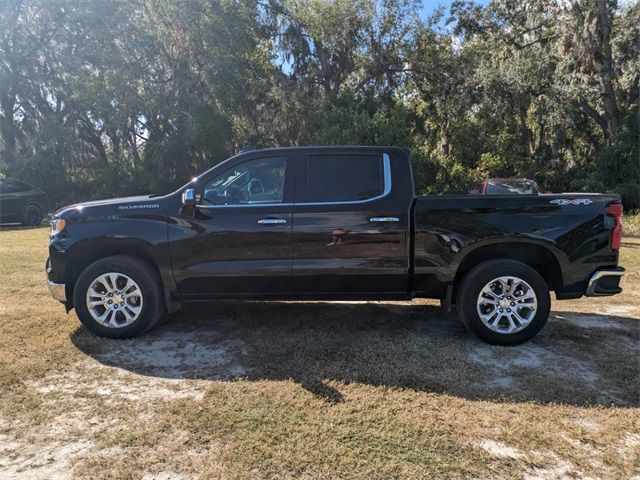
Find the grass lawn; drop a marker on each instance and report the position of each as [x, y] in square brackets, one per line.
[313, 390]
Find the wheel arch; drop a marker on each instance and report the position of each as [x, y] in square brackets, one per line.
[32, 202]
[539, 257]
[81, 258]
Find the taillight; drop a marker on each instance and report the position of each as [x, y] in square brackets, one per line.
[615, 210]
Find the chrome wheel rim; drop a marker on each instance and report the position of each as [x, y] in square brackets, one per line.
[114, 300]
[507, 304]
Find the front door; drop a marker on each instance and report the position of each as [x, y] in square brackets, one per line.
[239, 240]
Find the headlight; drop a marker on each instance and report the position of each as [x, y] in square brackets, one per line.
[57, 225]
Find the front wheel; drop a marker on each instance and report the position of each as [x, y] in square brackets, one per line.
[503, 302]
[118, 297]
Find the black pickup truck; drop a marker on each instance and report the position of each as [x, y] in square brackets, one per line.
[332, 223]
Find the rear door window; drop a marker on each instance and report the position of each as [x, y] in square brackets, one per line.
[344, 178]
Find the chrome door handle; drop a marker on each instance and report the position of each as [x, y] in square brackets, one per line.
[272, 221]
[384, 219]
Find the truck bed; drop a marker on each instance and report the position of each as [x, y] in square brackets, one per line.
[567, 234]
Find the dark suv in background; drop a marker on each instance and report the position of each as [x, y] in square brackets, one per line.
[21, 202]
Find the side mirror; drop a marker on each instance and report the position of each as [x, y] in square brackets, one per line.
[189, 197]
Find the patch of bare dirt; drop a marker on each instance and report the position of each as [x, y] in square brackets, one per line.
[91, 400]
[53, 461]
[192, 354]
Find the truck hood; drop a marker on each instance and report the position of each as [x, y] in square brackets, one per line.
[140, 202]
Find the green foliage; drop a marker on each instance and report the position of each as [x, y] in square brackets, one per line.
[101, 98]
[494, 165]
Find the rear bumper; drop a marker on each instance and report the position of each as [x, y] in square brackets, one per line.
[605, 282]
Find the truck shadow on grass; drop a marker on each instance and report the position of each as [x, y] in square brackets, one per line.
[577, 359]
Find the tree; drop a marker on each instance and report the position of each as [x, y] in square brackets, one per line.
[105, 97]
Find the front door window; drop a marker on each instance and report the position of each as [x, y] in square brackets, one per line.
[254, 182]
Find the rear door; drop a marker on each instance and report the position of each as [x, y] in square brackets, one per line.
[350, 227]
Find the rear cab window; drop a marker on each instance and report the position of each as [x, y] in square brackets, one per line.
[511, 187]
[344, 178]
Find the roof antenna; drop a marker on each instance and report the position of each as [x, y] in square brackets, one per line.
[246, 148]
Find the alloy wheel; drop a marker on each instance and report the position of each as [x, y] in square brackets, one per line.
[507, 304]
[114, 300]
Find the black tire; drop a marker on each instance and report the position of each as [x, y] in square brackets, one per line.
[32, 215]
[476, 279]
[142, 274]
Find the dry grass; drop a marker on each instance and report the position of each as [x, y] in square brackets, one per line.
[313, 390]
[631, 223]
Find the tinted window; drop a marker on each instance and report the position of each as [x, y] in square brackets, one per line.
[510, 188]
[11, 186]
[343, 178]
[252, 182]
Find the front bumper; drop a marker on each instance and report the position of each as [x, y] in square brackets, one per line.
[57, 291]
[605, 282]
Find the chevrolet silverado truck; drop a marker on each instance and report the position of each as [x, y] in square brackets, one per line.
[332, 223]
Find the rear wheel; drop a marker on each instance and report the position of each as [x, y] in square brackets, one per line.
[32, 215]
[503, 302]
[118, 297]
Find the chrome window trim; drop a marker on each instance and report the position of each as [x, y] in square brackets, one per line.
[244, 205]
[386, 171]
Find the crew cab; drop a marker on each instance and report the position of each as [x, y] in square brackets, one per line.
[332, 223]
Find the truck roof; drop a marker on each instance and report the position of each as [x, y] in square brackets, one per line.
[307, 148]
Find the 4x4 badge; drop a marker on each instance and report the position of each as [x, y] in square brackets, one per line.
[572, 201]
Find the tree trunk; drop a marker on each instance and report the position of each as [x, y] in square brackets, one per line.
[182, 122]
[7, 132]
[526, 134]
[611, 112]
